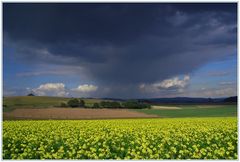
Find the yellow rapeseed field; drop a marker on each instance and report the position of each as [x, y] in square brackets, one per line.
[180, 138]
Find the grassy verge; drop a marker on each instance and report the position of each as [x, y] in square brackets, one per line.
[194, 111]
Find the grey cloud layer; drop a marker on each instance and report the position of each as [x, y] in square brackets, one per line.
[122, 45]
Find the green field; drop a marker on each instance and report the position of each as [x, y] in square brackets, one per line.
[38, 102]
[33, 101]
[178, 138]
[12, 103]
[195, 111]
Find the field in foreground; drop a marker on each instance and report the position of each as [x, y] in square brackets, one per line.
[179, 138]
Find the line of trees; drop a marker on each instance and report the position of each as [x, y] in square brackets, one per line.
[131, 104]
[73, 103]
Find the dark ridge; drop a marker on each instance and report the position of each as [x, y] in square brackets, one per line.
[231, 99]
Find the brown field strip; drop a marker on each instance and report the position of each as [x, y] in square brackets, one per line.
[73, 113]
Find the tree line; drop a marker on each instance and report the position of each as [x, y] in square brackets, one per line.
[130, 104]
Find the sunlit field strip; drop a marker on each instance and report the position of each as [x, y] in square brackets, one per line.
[188, 138]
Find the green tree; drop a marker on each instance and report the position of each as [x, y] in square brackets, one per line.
[104, 104]
[82, 103]
[96, 105]
[108, 104]
[115, 105]
[73, 103]
[63, 104]
[133, 104]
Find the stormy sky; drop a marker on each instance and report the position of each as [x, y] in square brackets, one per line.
[120, 50]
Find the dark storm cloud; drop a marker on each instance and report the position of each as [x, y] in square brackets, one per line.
[122, 44]
[97, 23]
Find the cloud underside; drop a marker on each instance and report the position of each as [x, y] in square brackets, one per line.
[85, 88]
[59, 89]
[173, 83]
[121, 46]
[51, 89]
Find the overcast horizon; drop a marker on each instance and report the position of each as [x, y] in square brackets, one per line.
[122, 50]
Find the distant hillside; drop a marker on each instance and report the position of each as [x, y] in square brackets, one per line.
[187, 100]
[231, 99]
